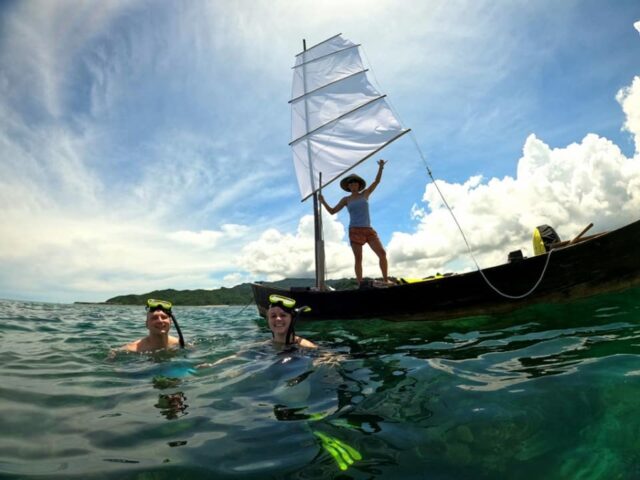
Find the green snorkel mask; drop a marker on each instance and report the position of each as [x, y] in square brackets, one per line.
[288, 305]
[165, 306]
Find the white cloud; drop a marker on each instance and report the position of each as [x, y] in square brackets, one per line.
[102, 195]
[95, 258]
[41, 40]
[237, 278]
[276, 255]
[629, 99]
[566, 188]
[209, 239]
[201, 239]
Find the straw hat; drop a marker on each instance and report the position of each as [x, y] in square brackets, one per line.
[346, 180]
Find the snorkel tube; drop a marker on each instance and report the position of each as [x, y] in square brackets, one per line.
[291, 332]
[175, 322]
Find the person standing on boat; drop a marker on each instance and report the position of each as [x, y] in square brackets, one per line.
[360, 230]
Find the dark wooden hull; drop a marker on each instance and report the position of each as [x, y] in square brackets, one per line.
[605, 263]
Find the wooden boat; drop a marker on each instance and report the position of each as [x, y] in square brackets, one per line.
[599, 264]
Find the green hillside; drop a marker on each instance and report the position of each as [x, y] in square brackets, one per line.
[238, 295]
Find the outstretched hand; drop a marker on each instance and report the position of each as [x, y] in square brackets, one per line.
[381, 163]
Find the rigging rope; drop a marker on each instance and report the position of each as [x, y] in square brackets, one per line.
[245, 307]
[464, 237]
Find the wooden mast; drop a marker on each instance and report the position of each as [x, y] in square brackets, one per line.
[317, 213]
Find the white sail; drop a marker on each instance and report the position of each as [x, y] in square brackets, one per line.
[338, 118]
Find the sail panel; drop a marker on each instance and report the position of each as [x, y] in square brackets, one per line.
[331, 45]
[330, 103]
[325, 71]
[338, 118]
[340, 145]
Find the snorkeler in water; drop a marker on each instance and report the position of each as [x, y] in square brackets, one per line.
[159, 320]
[282, 315]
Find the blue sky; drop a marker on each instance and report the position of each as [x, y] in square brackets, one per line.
[143, 144]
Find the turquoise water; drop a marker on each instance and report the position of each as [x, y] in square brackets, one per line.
[550, 392]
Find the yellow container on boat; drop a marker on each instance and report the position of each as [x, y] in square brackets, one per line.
[406, 280]
[538, 244]
[544, 237]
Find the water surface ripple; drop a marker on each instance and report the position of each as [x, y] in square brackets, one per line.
[549, 392]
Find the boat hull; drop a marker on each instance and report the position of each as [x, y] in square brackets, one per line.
[605, 263]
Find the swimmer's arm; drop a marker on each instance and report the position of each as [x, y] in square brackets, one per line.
[303, 342]
[217, 362]
[222, 360]
[129, 347]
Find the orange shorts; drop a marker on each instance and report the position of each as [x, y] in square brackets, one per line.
[361, 235]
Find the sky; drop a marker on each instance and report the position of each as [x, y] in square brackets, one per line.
[144, 144]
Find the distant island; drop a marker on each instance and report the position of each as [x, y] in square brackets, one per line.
[238, 295]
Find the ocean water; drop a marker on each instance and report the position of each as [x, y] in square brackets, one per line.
[549, 392]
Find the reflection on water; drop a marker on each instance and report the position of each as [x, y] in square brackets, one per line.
[549, 392]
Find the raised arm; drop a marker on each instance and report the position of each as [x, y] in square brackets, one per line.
[330, 209]
[369, 190]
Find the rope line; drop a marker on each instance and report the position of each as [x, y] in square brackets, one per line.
[245, 307]
[444, 200]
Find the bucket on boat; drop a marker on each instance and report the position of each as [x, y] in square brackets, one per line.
[543, 237]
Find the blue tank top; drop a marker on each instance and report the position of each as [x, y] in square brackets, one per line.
[359, 212]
